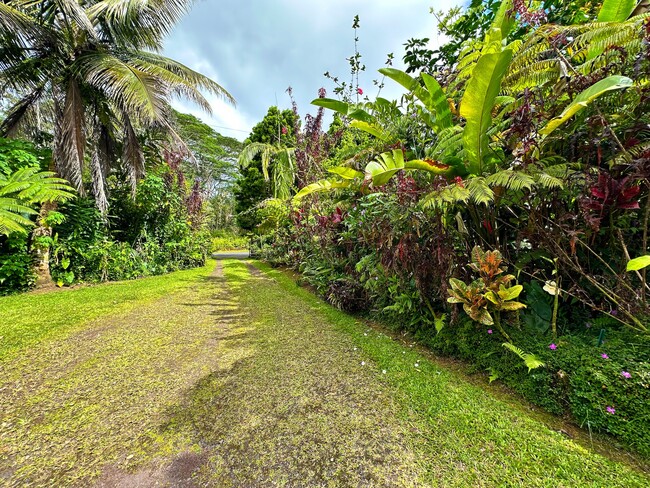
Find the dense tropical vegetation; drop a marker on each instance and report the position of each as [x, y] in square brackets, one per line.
[498, 212]
[82, 81]
[511, 178]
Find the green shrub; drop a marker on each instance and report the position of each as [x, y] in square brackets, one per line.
[224, 241]
[15, 264]
[576, 378]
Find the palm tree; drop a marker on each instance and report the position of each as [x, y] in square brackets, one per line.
[93, 70]
[278, 166]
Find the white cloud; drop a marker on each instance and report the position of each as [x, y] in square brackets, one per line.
[257, 48]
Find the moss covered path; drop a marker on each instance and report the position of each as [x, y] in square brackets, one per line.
[232, 376]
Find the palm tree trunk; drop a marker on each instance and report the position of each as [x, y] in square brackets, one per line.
[41, 244]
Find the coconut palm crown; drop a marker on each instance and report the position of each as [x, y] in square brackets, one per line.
[93, 70]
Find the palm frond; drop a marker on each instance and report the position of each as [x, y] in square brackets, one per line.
[70, 155]
[139, 23]
[132, 155]
[18, 114]
[135, 91]
[189, 77]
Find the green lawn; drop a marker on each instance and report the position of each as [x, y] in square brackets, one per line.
[241, 378]
[29, 318]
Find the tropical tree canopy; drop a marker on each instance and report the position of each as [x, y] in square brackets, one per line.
[91, 69]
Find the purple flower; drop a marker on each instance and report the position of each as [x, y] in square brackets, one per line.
[604, 356]
[625, 374]
[552, 347]
[611, 410]
[489, 331]
[614, 312]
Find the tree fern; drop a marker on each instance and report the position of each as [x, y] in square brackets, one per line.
[22, 190]
[511, 180]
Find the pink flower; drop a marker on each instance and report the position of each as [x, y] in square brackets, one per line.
[604, 356]
[625, 374]
[489, 331]
[552, 347]
[359, 91]
[284, 130]
[611, 410]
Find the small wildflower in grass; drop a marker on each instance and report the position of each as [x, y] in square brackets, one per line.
[383, 371]
[417, 365]
[611, 410]
[604, 356]
[489, 331]
[363, 363]
[625, 374]
[552, 347]
[355, 348]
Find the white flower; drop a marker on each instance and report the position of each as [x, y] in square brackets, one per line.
[417, 365]
[383, 371]
[363, 363]
[355, 348]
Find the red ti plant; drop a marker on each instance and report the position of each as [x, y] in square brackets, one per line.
[608, 195]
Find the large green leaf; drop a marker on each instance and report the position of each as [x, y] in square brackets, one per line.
[432, 97]
[320, 186]
[615, 82]
[430, 166]
[345, 172]
[438, 102]
[349, 110]
[371, 129]
[477, 103]
[383, 169]
[638, 263]
[616, 10]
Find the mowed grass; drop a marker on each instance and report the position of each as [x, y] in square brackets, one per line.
[194, 379]
[461, 435]
[29, 318]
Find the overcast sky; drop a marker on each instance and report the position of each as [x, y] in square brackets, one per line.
[255, 49]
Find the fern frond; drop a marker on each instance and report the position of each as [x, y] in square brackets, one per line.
[451, 194]
[450, 142]
[547, 181]
[511, 180]
[480, 191]
[531, 361]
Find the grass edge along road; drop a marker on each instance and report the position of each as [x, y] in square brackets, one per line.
[464, 428]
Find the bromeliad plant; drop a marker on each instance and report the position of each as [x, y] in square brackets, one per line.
[486, 297]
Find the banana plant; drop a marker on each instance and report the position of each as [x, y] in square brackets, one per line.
[381, 170]
[587, 96]
[360, 118]
[378, 172]
[431, 95]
